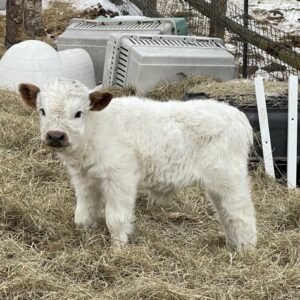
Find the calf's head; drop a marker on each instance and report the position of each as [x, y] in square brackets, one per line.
[63, 106]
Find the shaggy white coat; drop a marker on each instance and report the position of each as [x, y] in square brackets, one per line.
[136, 143]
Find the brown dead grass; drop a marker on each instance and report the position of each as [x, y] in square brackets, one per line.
[118, 91]
[175, 253]
[239, 91]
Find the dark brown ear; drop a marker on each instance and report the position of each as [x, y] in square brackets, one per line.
[99, 100]
[28, 94]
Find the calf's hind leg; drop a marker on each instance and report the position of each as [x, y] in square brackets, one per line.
[231, 198]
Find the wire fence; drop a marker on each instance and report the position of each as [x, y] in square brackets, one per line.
[270, 51]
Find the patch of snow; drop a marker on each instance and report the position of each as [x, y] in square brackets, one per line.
[129, 18]
[106, 4]
[230, 47]
[261, 73]
[262, 10]
[83, 4]
[45, 4]
[131, 8]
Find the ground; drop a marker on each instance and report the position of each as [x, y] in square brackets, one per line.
[174, 253]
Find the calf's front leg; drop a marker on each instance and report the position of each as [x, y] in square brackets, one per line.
[119, 196]
[88, 205]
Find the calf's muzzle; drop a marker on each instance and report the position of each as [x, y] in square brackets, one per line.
[56, 139]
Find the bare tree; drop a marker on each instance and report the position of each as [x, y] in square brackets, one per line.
[218, 9]
[23, 20]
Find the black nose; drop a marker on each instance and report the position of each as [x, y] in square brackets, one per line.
[56, 139]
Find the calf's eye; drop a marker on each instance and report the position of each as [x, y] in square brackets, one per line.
[78, 114]
[42, 112]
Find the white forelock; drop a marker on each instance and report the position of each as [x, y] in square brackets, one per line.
[65, 86]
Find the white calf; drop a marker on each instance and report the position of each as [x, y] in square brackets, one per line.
[113, 148]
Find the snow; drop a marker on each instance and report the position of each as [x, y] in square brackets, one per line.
[130, 18]
[83, 4]
[132, 9]
[263, 10]
[106, 4]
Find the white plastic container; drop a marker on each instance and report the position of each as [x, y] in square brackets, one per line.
[36, 62]
[77, 64]
[93, 35]
[143, 61]
[29, 61]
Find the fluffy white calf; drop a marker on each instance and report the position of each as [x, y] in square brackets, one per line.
[114, 147]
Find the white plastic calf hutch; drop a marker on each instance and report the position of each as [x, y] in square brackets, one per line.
[36, 62]
[77, 64]
[93, 36]
[29, 61]
[143, 61]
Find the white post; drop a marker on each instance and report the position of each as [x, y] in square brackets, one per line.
[264, 126]
[292, 132]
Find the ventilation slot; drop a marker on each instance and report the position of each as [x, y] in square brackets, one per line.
[116, 26]
[198, 43]
[121, 68]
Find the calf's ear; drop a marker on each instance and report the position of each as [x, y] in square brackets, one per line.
[99, 100]
[29, 94]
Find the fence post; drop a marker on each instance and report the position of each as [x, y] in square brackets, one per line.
[218, 7]
[292, 132]
[245, 45]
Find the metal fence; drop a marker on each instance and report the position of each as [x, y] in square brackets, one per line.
[269, 50]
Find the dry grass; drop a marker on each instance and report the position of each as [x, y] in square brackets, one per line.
[176, 253]
[238, 91]
[118, 91]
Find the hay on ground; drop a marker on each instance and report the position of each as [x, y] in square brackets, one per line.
[117, 91]
[240, 92]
